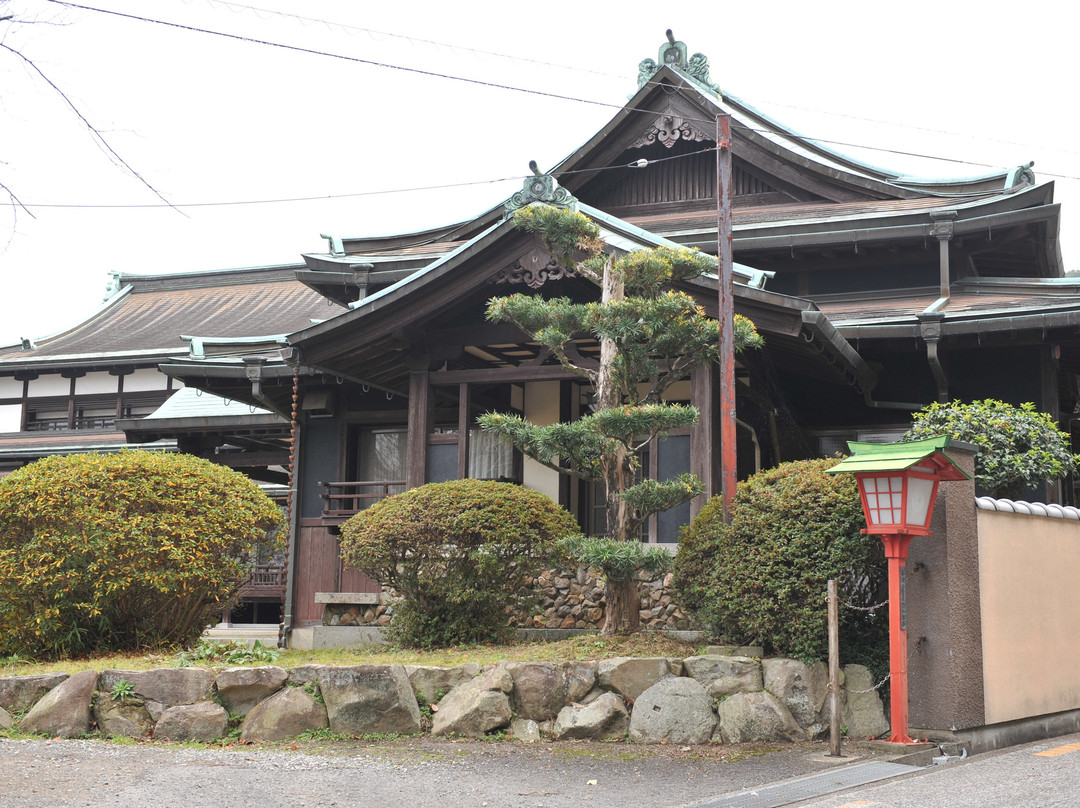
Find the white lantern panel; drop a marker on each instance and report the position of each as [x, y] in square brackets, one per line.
[884, 499]
[920, 490]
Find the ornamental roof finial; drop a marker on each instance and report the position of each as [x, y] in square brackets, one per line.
[539, 187]
[673, 54]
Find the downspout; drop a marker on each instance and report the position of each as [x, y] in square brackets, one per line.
[930, 319]
[253, 366]
[292, 518]
[930, 329]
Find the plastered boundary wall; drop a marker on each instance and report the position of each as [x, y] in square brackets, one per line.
[1029, 579]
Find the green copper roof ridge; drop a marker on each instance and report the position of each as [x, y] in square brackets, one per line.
[895, 457]
[937, 442]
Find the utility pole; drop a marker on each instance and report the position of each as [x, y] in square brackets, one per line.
[726, 314]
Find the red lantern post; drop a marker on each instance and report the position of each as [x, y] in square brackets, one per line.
[898, 483]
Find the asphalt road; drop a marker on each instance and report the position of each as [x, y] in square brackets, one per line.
[416, 774]
[409, 773]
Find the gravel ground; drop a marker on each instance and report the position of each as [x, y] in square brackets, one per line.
[407, 773]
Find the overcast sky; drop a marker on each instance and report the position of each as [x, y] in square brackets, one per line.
[367, 103]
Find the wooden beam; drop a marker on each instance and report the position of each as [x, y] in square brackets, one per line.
[251, 459]
[527, 373]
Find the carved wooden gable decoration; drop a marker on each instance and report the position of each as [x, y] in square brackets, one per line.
[533, 269]
[661, 153]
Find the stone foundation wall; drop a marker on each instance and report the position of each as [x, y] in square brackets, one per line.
[701, 699]
[564, 599]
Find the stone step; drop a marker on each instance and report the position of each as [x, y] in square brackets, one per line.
[266, 633]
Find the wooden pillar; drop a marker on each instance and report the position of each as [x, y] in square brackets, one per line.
[73, 374]
[726, 315]
[419, 426]
[703, 452]
[463, 431]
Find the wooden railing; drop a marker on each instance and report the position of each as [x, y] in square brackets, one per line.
[266, 580]
[266, 576]
[63, 425]
[343, 499]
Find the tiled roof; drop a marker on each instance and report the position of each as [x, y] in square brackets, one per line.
[150, 321]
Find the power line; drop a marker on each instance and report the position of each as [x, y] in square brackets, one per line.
[410, 39]
[479, 82]
[391, 191]
[436, 43]
[343, 57]
[434, 74]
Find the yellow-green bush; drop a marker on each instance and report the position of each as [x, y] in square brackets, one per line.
[460, 553]
[122, 551]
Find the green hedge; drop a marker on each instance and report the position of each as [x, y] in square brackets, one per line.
[460, 553]
[1019, 447]
[122, 551]
[762, 579]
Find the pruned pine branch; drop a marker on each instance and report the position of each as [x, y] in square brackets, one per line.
[649, 335]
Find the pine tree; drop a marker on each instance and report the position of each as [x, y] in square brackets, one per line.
[650, 337]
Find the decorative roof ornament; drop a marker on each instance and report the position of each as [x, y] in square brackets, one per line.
[113, 286]
[673, 54]
[540, 188]
[1020, 176]
[534, 270]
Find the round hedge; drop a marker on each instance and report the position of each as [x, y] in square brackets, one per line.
[460, 553]
[762, 579]
[122, 551]
[1019, 447]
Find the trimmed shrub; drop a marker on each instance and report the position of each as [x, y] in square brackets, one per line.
[1019, 447]
[460, 554]
[618, 560]
[122, 551]
[762, 579]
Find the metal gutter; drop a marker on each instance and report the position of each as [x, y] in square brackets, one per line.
[865, 376]
[923, 229]
[1042, 321]
[102, 361]
[817, 324]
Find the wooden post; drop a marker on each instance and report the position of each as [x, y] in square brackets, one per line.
[419, 425]
[834, 670]
[463, 431]
[726, 315]
[896, 550]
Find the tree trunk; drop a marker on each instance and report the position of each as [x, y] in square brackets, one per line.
[622, 616]
[622, 599]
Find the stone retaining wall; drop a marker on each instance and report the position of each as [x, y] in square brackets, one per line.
[565, 599]
[702, 699]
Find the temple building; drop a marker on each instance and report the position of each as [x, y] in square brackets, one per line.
[876, 293]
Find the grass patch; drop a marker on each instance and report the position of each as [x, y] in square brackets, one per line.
[583, 647]
[600, 752]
